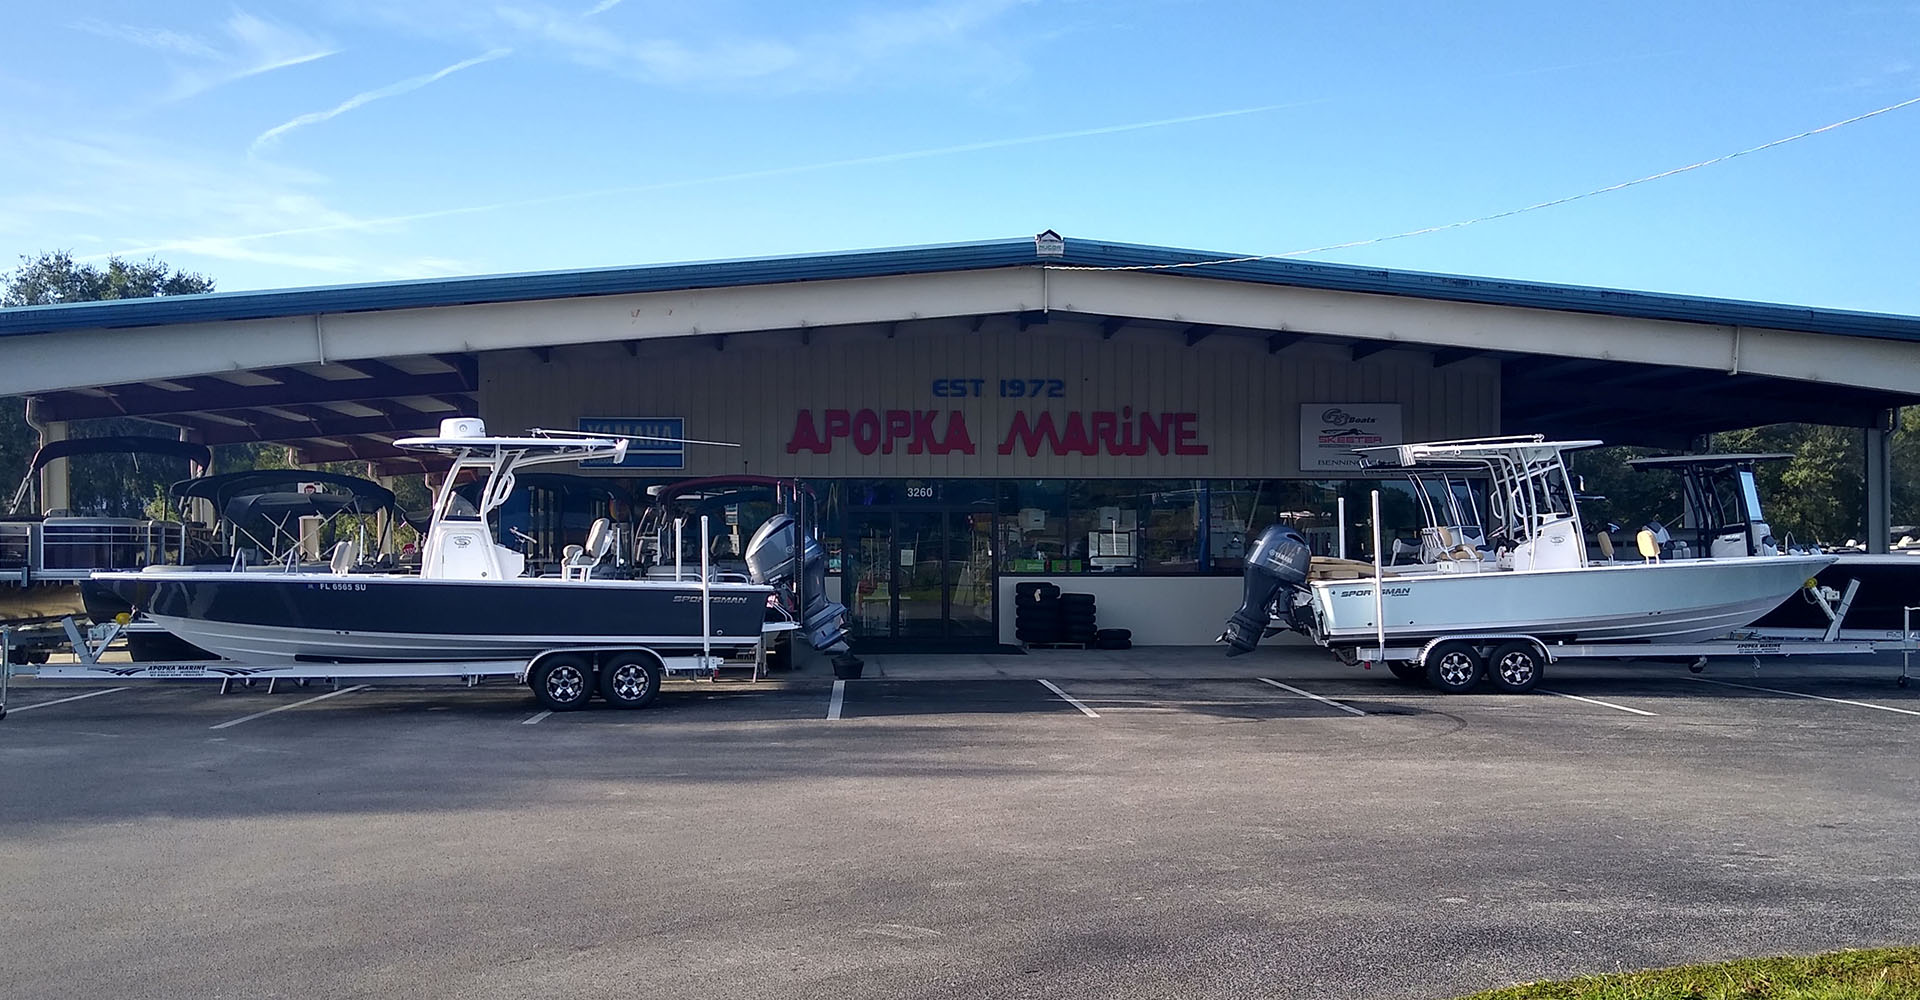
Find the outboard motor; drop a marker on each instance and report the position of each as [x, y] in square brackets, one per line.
[1278, 562]
[774, 558]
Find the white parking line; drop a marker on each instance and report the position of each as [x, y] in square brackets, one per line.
[1071, 700]
[282, 708]
[1310, 694]
[1809, 697]
[839, 698]
[1594, 701]
[537, 716]
[62, 701]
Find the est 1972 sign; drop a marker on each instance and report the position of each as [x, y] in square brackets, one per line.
[1005, 388]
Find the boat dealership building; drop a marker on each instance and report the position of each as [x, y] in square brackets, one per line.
[1118, 419]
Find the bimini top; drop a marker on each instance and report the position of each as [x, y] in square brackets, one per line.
[366, 495]
[1728, 458]
[53, 451]
[1522, 447]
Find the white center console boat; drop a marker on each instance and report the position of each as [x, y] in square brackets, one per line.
[1525, 580]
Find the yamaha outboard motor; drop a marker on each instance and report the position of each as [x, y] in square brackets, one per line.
[774, 558]
[1277, 563]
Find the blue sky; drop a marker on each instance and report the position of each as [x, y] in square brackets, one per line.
[284, 144]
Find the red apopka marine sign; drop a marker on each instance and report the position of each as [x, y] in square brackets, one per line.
[1121, 432]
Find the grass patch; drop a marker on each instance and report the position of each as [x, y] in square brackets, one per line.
[1868, 974]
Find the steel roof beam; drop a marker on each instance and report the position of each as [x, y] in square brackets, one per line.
[1280, 340]
[141, 401]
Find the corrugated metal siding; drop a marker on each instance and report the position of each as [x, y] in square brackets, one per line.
[1247, 400]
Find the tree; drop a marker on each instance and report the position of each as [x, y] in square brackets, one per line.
[54, 277]
[117, 485]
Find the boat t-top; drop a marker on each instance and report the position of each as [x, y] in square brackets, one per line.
[1861, 596]
[470, 600]
[1516, 573]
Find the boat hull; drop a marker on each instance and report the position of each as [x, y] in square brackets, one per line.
[255, 617]
[1670, 602]
[1888, 585]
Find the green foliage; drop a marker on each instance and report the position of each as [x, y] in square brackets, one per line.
[1820, 494]
[115, 485]
[1619, 494]
[55, 277]
[1867, 974]
[17, 442]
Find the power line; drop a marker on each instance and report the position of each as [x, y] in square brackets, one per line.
[1497, 215]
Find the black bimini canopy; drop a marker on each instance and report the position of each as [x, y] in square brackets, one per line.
[361, 496]
[281, 507]
[53, 451]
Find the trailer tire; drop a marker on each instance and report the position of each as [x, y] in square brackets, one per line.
[563, 682]
[1455, 667]
[1516, 667]
[630, 680]
[1407, 670]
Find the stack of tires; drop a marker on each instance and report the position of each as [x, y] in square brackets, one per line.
[1037, 613]
[1077, 619]
[1113, 638]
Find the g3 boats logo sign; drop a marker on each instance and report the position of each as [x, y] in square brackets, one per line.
[1330, 432]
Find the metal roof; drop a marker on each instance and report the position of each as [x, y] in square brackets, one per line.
[936, 259]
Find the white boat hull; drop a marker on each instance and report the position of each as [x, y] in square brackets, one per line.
[1669, 602]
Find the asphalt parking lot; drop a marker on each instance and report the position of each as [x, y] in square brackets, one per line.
[1066, 824]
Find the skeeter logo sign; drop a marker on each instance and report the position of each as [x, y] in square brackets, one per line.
[1329, 432]
[1119, 432]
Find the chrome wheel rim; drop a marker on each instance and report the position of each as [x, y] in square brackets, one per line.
[1456, 669]
[630, 681]
[1516, 668]
[565, 683]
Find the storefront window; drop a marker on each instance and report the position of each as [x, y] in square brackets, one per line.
[1033, 527]
[1132, 526]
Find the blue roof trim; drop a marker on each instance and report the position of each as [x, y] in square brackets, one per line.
[935, 259]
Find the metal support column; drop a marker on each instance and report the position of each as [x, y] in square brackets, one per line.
[1880, 482]
[55, 491]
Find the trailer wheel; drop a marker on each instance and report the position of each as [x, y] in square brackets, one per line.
[562, 683]
[630, 680]
[1515, 667]
[1454, 667]
[1407, 670]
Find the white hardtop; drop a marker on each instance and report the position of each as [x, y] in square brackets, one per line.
[1522, 447]
[468, 435]
[1720, 458]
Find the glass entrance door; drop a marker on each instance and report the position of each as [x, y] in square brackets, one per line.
[923, 578]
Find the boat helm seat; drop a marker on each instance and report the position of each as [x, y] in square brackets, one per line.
[582, 560]
[345, 555]
[1649, 545]
[1605, 541]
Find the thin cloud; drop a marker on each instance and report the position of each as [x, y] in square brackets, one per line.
[251, 46]
[367, 97]
[602, 7]
[857, 161]
[159, 39]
